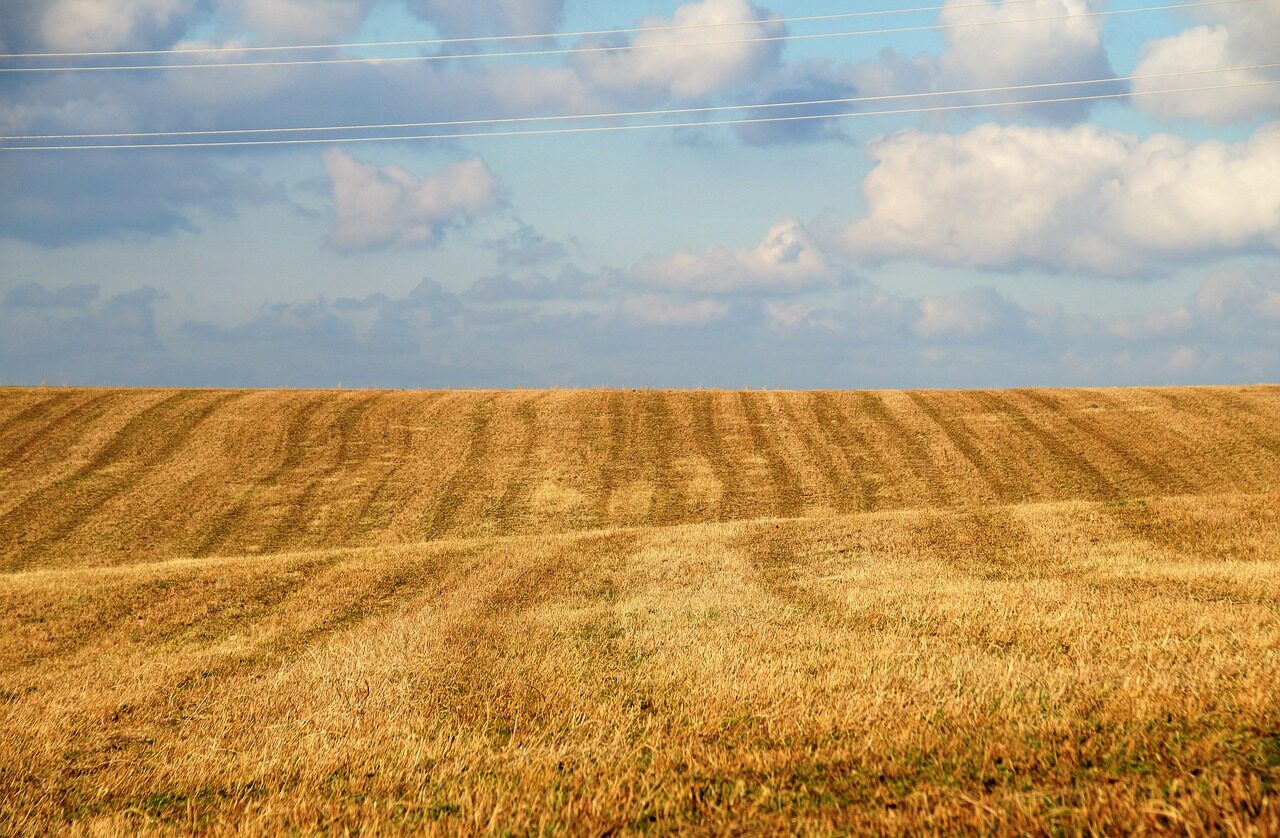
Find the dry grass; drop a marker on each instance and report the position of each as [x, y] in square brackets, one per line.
[1039, 611]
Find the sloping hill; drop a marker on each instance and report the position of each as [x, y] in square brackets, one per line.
[1032, 612]
[100, 477]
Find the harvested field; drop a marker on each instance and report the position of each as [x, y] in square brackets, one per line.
[627, 611]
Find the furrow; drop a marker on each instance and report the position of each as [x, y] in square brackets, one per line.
[707, 437]
[908, 446]
[193, 605]
[817, 452]
[292, 454]
[79, 417]
[962, 440]
[616, 416]
[788, 495]
[660, 439]
[401, 455]
[467, 476]
[859, 456]
[1062, 456]
[1092, 429]
[36, 412]
[513, 506]
[294, 525]
[1234, 418]
[87, 491]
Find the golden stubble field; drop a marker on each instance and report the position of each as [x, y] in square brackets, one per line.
[1051, 611]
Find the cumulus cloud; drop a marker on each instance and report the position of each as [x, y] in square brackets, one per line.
[1082, 199]
[36, 296]
[79, 196]
[438, 304]
[790, 314]
[965, 315]
[1151, 324]
[77, 25]
[295, 323]
[64, 334]
[525, 247]
[860, 336]
[658, 310]
[491, 17]
[1233, 36]
[296, 21]
[1240, 294]
[570, 283]
[354, 338]
[54, 201]
[986, 49]
[389, 206]
[787, 260]
[682, 72]
[1046, 51]
[806, 81]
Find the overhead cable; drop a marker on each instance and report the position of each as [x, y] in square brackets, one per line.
[588, 129]
[848, 100]
[610, 49]
[587, 33]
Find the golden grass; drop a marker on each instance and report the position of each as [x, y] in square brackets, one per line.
[589, 612]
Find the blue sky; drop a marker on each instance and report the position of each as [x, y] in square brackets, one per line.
[1133, 241]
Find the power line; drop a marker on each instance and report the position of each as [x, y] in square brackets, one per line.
[621, 48]
[626, 114]
[653, 126]
[483, 38]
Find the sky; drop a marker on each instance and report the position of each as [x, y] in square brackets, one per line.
[1132, 240]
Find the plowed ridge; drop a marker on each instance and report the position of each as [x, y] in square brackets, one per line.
[111, 477]
[598, 613]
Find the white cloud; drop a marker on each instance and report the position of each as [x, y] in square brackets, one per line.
[433, 337]
[74, 25]
[1237, 294]
[892, 72]
[686, 72]
[528, 91]
[491, 17]
[657, 310]
[1081, 199]
[391, 207]
[997, 52]
[965, 314]
[787, 260]
[1150, 325]
[297, 21]
[1182, 360]
[1236, 35]
[986, 49]
[66, 25]
[789, 314]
